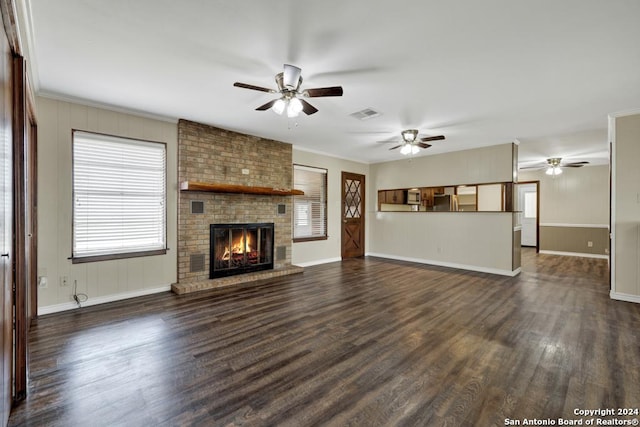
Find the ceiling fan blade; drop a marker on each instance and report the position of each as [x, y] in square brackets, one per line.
[308, 108]
[533, 167]
[323, 91]
[252, 87]
[291, 78]
[574, 165]
[266, 106]
[423, 145]
[397, 146]
[432, 138]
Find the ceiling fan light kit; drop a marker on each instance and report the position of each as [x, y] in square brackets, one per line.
[409, 149]
[554, 166]
[553, 170]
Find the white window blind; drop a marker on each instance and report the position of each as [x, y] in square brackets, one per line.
[310, 210]
[119, 196]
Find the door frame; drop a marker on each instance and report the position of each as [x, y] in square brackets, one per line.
[537, 183]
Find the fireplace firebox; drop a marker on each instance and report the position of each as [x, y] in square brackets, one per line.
[240, 248]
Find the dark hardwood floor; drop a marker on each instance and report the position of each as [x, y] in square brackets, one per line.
[365, 342]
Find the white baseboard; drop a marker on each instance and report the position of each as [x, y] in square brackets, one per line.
[317, 262]
[449, 264]
[580, 254]
[624, 297]
[100, 300]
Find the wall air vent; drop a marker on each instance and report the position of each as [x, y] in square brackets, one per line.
[197, 206]
[365, 114]
[196, 263]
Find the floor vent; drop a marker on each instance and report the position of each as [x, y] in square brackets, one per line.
[196, 263]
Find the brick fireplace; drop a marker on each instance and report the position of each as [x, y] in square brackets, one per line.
[211, 155]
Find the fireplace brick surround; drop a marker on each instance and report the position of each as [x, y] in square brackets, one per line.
[212, 155]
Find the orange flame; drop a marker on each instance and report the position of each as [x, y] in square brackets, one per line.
[239, 246]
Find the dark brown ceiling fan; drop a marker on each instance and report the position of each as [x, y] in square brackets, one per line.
[289, 82]
[411, 144]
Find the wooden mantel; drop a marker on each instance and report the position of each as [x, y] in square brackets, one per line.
[238, 189]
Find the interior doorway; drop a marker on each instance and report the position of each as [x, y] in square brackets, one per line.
[529, 207]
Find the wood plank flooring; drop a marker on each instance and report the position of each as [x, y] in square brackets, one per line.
[364, 342]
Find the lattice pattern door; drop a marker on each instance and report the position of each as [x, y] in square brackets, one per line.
[353, 215]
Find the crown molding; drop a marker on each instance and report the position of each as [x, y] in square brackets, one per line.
[81, 101]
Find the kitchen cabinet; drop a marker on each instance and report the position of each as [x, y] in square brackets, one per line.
[397, 197]
[427, 194]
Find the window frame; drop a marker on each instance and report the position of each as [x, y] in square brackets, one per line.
[324, 172]
[75, 259]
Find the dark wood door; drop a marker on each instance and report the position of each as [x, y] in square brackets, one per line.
[6, 230]
[21, 218]
[353, 208]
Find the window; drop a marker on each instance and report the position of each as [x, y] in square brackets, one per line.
[119, 197]
[310, 210]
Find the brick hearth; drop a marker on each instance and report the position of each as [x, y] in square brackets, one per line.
[241, 279]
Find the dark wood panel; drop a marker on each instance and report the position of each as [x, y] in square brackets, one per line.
[20, 211]
[366, 342]
[32, 217]
[6, 231]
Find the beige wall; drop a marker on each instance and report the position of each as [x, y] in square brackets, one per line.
[479, 166]
[481, 241]
[625, 278]
[577, 196]
[107, 280]
[321, 251]
[574, 210]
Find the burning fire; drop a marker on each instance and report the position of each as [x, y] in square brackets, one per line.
[239, 246]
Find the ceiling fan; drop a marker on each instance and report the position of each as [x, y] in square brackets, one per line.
[410, 143]
[554, 165]
[289, 82]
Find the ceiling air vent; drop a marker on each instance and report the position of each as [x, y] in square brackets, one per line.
[365, 114]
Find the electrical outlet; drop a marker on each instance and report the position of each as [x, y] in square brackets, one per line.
[42, 282]
[245, 171]
[64, 281]
[589, 244]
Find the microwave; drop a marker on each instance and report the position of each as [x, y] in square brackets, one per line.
[413, 197]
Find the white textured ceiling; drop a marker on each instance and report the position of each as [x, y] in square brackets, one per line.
[545, 73]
